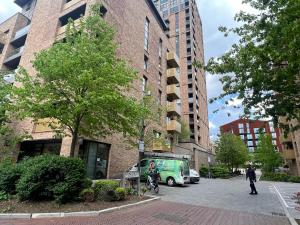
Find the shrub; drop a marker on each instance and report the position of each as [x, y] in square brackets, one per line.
[87, 195]
[110, 196]
[203, 171]
[49, 177]
[129, 191]
[121, 193]
[294, 179]
[281, 177]
[220, 172]
[102, 187]
[3, 196]
[216, 171]
[9, 175]
[87, 183]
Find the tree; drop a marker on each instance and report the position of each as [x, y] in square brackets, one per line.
[80, 84]
[263, 68]
[185, 132]
[231, 150]
[266, 154]
[8, 138]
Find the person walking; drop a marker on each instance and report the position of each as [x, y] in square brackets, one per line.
[252, 178]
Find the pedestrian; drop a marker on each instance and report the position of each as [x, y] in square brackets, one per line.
[252, 178]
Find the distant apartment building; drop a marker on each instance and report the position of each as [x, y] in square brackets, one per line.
[146, 41]
[249, 131]
[186, 37]
[291, 147]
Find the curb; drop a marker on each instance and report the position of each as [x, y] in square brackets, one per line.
[9, 216]
[288, 215]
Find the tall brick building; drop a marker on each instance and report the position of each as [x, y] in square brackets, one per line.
[144, 40]
[186, 37]
[249, 131]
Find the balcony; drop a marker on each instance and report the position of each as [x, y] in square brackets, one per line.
[70, 4]
[173, 92]
[286, 139]
[44, 125]
[289, 154]
[173, 109]
[172, 59]
[174, 126]
[2, 38]
[62, 30]
[13, 58]
[21, 3]
[173, 76]
[159, 145]
[20, 37]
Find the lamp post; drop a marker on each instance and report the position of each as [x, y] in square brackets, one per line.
[141, 143]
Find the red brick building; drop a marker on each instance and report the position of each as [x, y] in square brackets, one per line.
[249, 130]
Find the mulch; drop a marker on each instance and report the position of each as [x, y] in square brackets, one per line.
[14, 206]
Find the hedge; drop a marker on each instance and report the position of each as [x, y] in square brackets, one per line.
[9, 175]
[216, 171]
[51, 177]
[281, 177]
[103, 188]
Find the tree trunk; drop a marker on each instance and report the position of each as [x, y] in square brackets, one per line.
[74, 138]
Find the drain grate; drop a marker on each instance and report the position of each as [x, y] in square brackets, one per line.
[277, 214]
[170, 218]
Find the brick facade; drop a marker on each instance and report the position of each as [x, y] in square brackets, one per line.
[248, 130]
[128, 17]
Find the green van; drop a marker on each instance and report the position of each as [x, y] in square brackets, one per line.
[172, 170]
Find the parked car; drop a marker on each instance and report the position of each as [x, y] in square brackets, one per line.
[194, 176]
[172, 170]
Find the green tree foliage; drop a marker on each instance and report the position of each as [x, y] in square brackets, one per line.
[8, 139]
[185, 132]
[231, 150]
[263, 68]
[266, 154]
[81, 84]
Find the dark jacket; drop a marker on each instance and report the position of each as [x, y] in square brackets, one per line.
[251, 175]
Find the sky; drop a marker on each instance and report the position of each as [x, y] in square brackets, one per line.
[214, 13]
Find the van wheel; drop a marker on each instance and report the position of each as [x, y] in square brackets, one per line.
[170, 181]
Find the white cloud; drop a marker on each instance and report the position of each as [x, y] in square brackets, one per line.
[235, 102]
[211, 125]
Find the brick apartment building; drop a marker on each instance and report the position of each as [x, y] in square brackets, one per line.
[186, 38]
[249, 130]
[291, 147]
[145, 40]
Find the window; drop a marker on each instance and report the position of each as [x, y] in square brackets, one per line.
[177, 23]
[145, 63]
[241, 128]
[160, 53]
[177, 45]
[250, 143]
[159, 97]
[159, 78]
[156, 134]
[274, 135]
[144, 84]
[249, 136]
[146, 38]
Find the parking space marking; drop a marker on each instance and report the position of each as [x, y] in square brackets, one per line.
[286, 194]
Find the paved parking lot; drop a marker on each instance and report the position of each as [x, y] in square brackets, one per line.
[286, 192]
[230, 194]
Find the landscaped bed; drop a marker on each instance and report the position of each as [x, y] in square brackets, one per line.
[13, 206]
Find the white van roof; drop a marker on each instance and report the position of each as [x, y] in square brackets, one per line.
[168, 155]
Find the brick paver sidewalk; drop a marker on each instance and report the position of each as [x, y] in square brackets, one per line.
[163, 213]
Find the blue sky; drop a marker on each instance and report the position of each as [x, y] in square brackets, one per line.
[213, 13]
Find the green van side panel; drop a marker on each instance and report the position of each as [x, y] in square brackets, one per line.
[167, 168]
